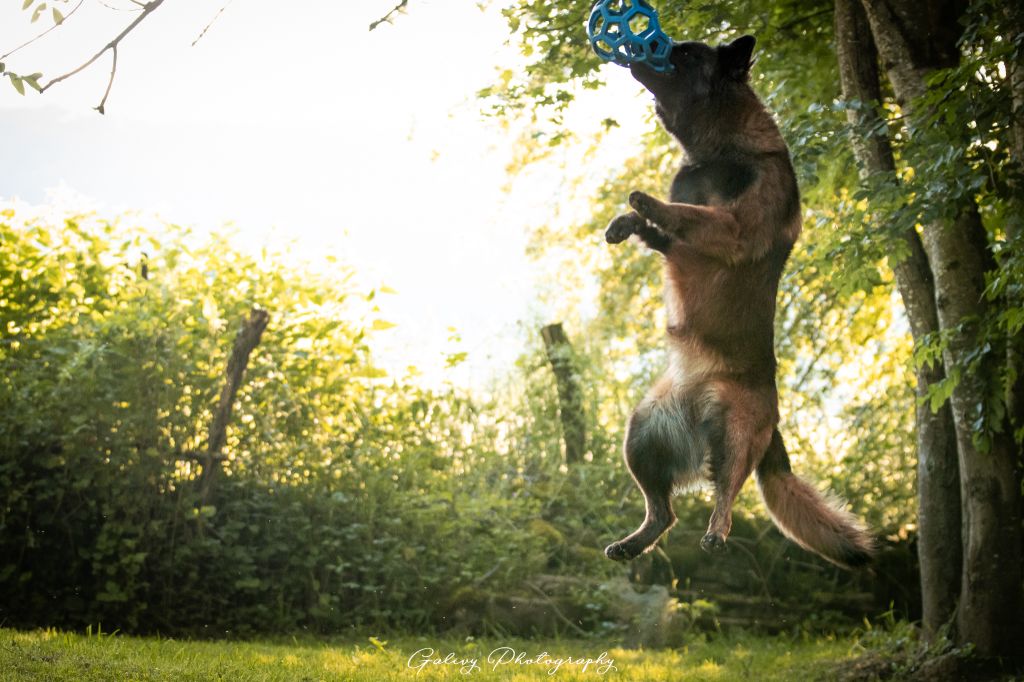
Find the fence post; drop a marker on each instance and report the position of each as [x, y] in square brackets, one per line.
[570, 397]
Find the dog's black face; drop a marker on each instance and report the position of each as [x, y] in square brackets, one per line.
[699, 87]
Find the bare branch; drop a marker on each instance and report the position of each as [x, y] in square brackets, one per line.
[148, 9]
[386, 19]
[110, 83]
[212, 21]
[26, 44]
[121, 9]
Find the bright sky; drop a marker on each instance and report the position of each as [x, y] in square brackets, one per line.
[296, 123]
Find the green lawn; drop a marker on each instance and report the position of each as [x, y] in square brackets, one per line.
[53, 655]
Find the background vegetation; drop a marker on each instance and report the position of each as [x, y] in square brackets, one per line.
[349, 498]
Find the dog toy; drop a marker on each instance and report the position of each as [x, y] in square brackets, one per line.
[627, 32]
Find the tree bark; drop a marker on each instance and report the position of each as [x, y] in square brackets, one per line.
[915, 38]
[1014, 14]
[989, 613]
[938, 475]
[570, 397]
[1015, 27]
[245, 342]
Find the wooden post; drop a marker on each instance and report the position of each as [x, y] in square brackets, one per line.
[246, 341]
[570, 397]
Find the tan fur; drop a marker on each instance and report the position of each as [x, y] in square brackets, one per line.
[814, 521]
[732, 218]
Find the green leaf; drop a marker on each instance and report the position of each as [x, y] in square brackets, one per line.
[33, 80]
[28, 3]
[16, 82]
[58, 18]
[37, 12]
[455, 359]
[382, 325]
[940, 392]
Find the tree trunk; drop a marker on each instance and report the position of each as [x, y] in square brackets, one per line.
[989, 614]
[1014, 13]
[938, 475]
[246, 341]
[570, 397]
[1015, 25]
[914, 38]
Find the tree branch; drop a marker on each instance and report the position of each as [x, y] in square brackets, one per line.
[386, 19]
[110, 83]
[29, 42]
[147, 9]
[807, 17]
[212, 22]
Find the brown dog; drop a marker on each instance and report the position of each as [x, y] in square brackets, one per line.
[731, 224]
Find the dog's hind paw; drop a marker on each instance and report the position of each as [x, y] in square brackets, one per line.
[619, 551]
[712, 543]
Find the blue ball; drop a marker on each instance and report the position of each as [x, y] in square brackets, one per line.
[627, 32]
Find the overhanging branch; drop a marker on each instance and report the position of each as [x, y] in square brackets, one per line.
[387, 17]
[147, 9]
[55, 25]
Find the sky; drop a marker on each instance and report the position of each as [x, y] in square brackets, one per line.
[298, 125]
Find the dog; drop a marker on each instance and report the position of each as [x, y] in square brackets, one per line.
[726, 233]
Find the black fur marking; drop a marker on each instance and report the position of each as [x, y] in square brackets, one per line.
[714, 182]
[713, 430]
[776, 459]
[655, 238]
[789, 204]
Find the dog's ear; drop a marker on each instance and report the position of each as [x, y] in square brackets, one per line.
[735, 57]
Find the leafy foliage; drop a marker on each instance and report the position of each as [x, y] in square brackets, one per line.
[845, 357]
[347, 498]
[353, 498]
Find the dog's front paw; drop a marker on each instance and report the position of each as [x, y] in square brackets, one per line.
[622, 227]
[643, 203]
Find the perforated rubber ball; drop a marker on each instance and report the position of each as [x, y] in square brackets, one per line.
[627, 32]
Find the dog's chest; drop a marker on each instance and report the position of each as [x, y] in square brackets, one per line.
[712, 183]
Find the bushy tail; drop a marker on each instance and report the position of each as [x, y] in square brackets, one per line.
[808, 518]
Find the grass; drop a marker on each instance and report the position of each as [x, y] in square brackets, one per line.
[54, 655]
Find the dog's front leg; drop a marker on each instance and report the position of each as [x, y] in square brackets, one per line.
[710, 230]
[623, 226]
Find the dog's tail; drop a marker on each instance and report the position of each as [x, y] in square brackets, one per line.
[807, 517]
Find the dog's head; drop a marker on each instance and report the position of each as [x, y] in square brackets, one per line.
[704, 81]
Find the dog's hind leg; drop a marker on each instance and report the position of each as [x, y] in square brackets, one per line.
[657, 451]
[738, 436]
[650, 465]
